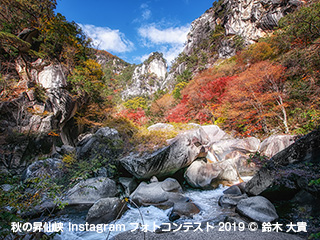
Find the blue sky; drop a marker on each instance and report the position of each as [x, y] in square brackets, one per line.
[134, 29]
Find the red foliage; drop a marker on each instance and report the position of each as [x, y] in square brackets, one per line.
[197, 98]
[138, 116]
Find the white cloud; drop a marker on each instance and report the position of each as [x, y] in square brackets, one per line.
[171, 53]
[151, 33]
[108, 39]
[170, 41]
[146, 12]
[142, 58]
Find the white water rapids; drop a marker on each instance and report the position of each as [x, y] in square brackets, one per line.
[206, 200]
[152, 216]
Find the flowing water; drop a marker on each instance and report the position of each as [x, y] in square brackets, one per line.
[152, 217]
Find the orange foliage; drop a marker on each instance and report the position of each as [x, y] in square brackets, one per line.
[254, 99]
[162, 105]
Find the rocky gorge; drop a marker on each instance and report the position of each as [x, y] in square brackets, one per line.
[202, 158]
[68, 156]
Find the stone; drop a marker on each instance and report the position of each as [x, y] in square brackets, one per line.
[233, 190]
[274, 144]
[105, 210]
[184, 208]
[258, 209]
[106, 143]
[226, 149]
[160, 194]
[209, 175]
[180, 153]
[229, 200]
[87, 192]
[154, 179]
[50, 167]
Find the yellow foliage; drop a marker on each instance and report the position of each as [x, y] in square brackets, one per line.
[69, 159]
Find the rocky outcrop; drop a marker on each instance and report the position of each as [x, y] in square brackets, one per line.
[290, 170]
[106, 210]
[87, 192]
[180, 153]
[201, 28]
[228, 24]
[148, 77]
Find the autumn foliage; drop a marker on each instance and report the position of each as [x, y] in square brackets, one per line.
[203, 91]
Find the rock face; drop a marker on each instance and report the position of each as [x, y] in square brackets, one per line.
[258, 209]
[106, 210]
[89, 191]
[148, 77]
[239, 21]
[182, 151]
[290, 170]
[52, 76]
[200, 29]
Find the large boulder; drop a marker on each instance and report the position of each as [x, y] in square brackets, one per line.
[215, 133]
[209, 175]
[258, 209]
[106, 210]
[226, 149]
[229, 200]
[184, 208]
[274, 144]
[182, 151]
[105, 143]
[50, 167]
[236, 151]
[160, 194]
[87, 192]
